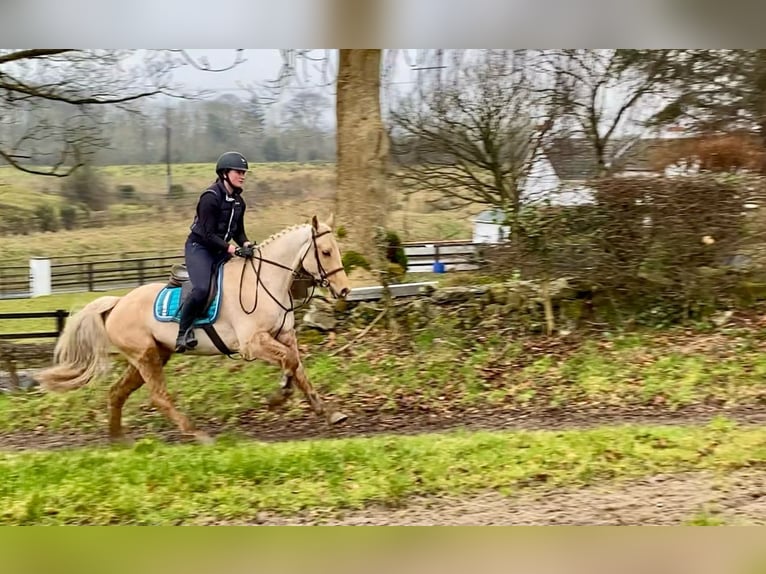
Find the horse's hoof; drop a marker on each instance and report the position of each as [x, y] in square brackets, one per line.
[336, 417]
[203, 438]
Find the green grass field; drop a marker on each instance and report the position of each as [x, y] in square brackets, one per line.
[154, 484]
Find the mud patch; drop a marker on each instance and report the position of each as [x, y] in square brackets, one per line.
[704, 498]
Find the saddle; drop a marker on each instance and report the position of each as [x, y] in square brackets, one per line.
[167, 304]
[179, 277]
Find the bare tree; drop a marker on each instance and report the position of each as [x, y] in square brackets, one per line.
[49, 100]
[474, 137]
[362, 142]
[601, 94]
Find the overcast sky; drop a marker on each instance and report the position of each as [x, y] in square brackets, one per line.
[263, 65]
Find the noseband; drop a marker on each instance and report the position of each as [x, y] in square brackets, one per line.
[323, 280]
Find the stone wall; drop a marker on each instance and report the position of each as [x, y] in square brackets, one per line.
[502, 304]
[514, 304]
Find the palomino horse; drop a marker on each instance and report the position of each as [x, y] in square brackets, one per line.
[255, 319]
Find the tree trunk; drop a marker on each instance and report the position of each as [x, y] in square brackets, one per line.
[362, 153]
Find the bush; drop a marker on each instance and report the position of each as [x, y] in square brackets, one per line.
[68, 215]
[394, 250]
[87, 187]
[352, 259]
[176, 191]
[649, 249]
[46, 217]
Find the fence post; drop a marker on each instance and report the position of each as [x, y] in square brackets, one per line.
[438, 266]
[39, 277]
[91, 283]
[140, 271]
[60, 317]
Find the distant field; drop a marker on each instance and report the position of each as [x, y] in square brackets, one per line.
[280, 195]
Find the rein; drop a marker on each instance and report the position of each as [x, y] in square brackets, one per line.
[322, 280]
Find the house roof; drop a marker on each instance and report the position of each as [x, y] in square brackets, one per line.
[574, 159]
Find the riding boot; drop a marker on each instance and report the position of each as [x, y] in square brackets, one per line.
[186, 339]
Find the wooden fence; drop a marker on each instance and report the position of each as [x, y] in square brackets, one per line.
[115, 271]
[454, 255]
[59, 315]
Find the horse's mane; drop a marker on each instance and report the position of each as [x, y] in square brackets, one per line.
[278, 234]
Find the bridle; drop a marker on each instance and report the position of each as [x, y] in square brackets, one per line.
[322, 280]
[324, 276]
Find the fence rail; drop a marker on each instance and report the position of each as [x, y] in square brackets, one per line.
[119, 271]
[60, 315]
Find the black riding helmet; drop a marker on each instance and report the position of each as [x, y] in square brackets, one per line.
[227, 161]
[230, 160]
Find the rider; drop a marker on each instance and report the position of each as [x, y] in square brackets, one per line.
[219, 218]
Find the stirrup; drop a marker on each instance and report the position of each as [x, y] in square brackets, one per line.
[190, 340]
[186, 341]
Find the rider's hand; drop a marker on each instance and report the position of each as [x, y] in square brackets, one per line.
[232, 249]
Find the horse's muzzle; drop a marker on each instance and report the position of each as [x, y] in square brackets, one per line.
[339, 294]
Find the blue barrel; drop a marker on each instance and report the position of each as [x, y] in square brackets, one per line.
[438, 267]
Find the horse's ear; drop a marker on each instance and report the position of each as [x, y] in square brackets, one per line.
[314, 222]
[331, 220]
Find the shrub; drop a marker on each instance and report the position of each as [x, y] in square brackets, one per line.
[68, 215]
[87, 187]
[176, 191]
[352, 259]
[46, 217]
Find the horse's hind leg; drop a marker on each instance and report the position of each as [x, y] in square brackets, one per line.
[130, 381]
[119, 392]
[150, 365]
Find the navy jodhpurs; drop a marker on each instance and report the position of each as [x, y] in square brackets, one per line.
[201, 265]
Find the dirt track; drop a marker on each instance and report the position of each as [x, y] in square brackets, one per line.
[366, 419]
[736, 499]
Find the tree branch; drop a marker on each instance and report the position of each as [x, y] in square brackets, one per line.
[14, 163]
[30, 54]
[205, 67]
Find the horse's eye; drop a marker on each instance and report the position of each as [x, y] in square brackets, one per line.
[326, 252]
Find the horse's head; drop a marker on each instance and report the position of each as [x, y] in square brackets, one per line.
[323, 259]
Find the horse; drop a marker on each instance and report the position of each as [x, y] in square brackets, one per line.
[255, 319]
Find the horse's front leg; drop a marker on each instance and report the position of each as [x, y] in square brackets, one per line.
[299, 377]
[264, 346]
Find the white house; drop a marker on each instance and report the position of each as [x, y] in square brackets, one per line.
[560, 175]
[488, 227]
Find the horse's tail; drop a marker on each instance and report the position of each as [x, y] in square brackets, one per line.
[82, 351]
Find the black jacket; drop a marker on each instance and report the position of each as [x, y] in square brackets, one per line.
[219, 218]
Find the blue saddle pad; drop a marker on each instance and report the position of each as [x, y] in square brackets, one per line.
[168, 303]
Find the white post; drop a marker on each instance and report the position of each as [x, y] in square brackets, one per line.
[39, 277]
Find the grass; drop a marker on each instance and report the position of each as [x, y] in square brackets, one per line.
[435, 372]
[152, 483]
